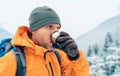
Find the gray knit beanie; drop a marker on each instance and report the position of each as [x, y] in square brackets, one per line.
[42, 16]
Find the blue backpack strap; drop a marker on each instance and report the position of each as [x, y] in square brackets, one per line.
[58, 57]
[20, 58]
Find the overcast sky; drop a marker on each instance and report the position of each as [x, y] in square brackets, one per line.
[77, 16]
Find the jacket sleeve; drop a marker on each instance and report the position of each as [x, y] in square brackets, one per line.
[8, 64]
[77, 67]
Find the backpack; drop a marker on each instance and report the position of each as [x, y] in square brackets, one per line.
[6, 46]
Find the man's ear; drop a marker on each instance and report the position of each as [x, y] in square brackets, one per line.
[29, 34]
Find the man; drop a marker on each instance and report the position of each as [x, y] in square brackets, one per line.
[39, 49]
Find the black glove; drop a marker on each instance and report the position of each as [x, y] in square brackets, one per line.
[68, 45]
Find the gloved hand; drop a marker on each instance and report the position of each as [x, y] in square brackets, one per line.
[67, 44]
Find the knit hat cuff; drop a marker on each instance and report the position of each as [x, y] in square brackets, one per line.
[44, 22]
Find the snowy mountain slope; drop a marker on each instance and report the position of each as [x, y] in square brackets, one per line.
[98, 35]
[4, 34]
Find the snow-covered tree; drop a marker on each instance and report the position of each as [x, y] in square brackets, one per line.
[112, 61]
[108, 42]
[96, 66]
[96, 49]
[107, 64]
[90, 52]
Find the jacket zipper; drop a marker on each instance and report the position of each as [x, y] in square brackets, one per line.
[51, 69]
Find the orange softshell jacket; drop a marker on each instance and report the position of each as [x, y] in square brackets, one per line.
[40, 62]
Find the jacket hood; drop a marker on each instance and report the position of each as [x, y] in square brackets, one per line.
[20, 38]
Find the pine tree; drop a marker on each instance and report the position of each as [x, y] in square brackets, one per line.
[108, 42]
[96, 49]
[89, 51]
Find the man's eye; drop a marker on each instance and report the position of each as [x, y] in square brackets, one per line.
[58, 28]
[49, 27]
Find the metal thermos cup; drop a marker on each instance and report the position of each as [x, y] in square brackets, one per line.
[54, 36]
